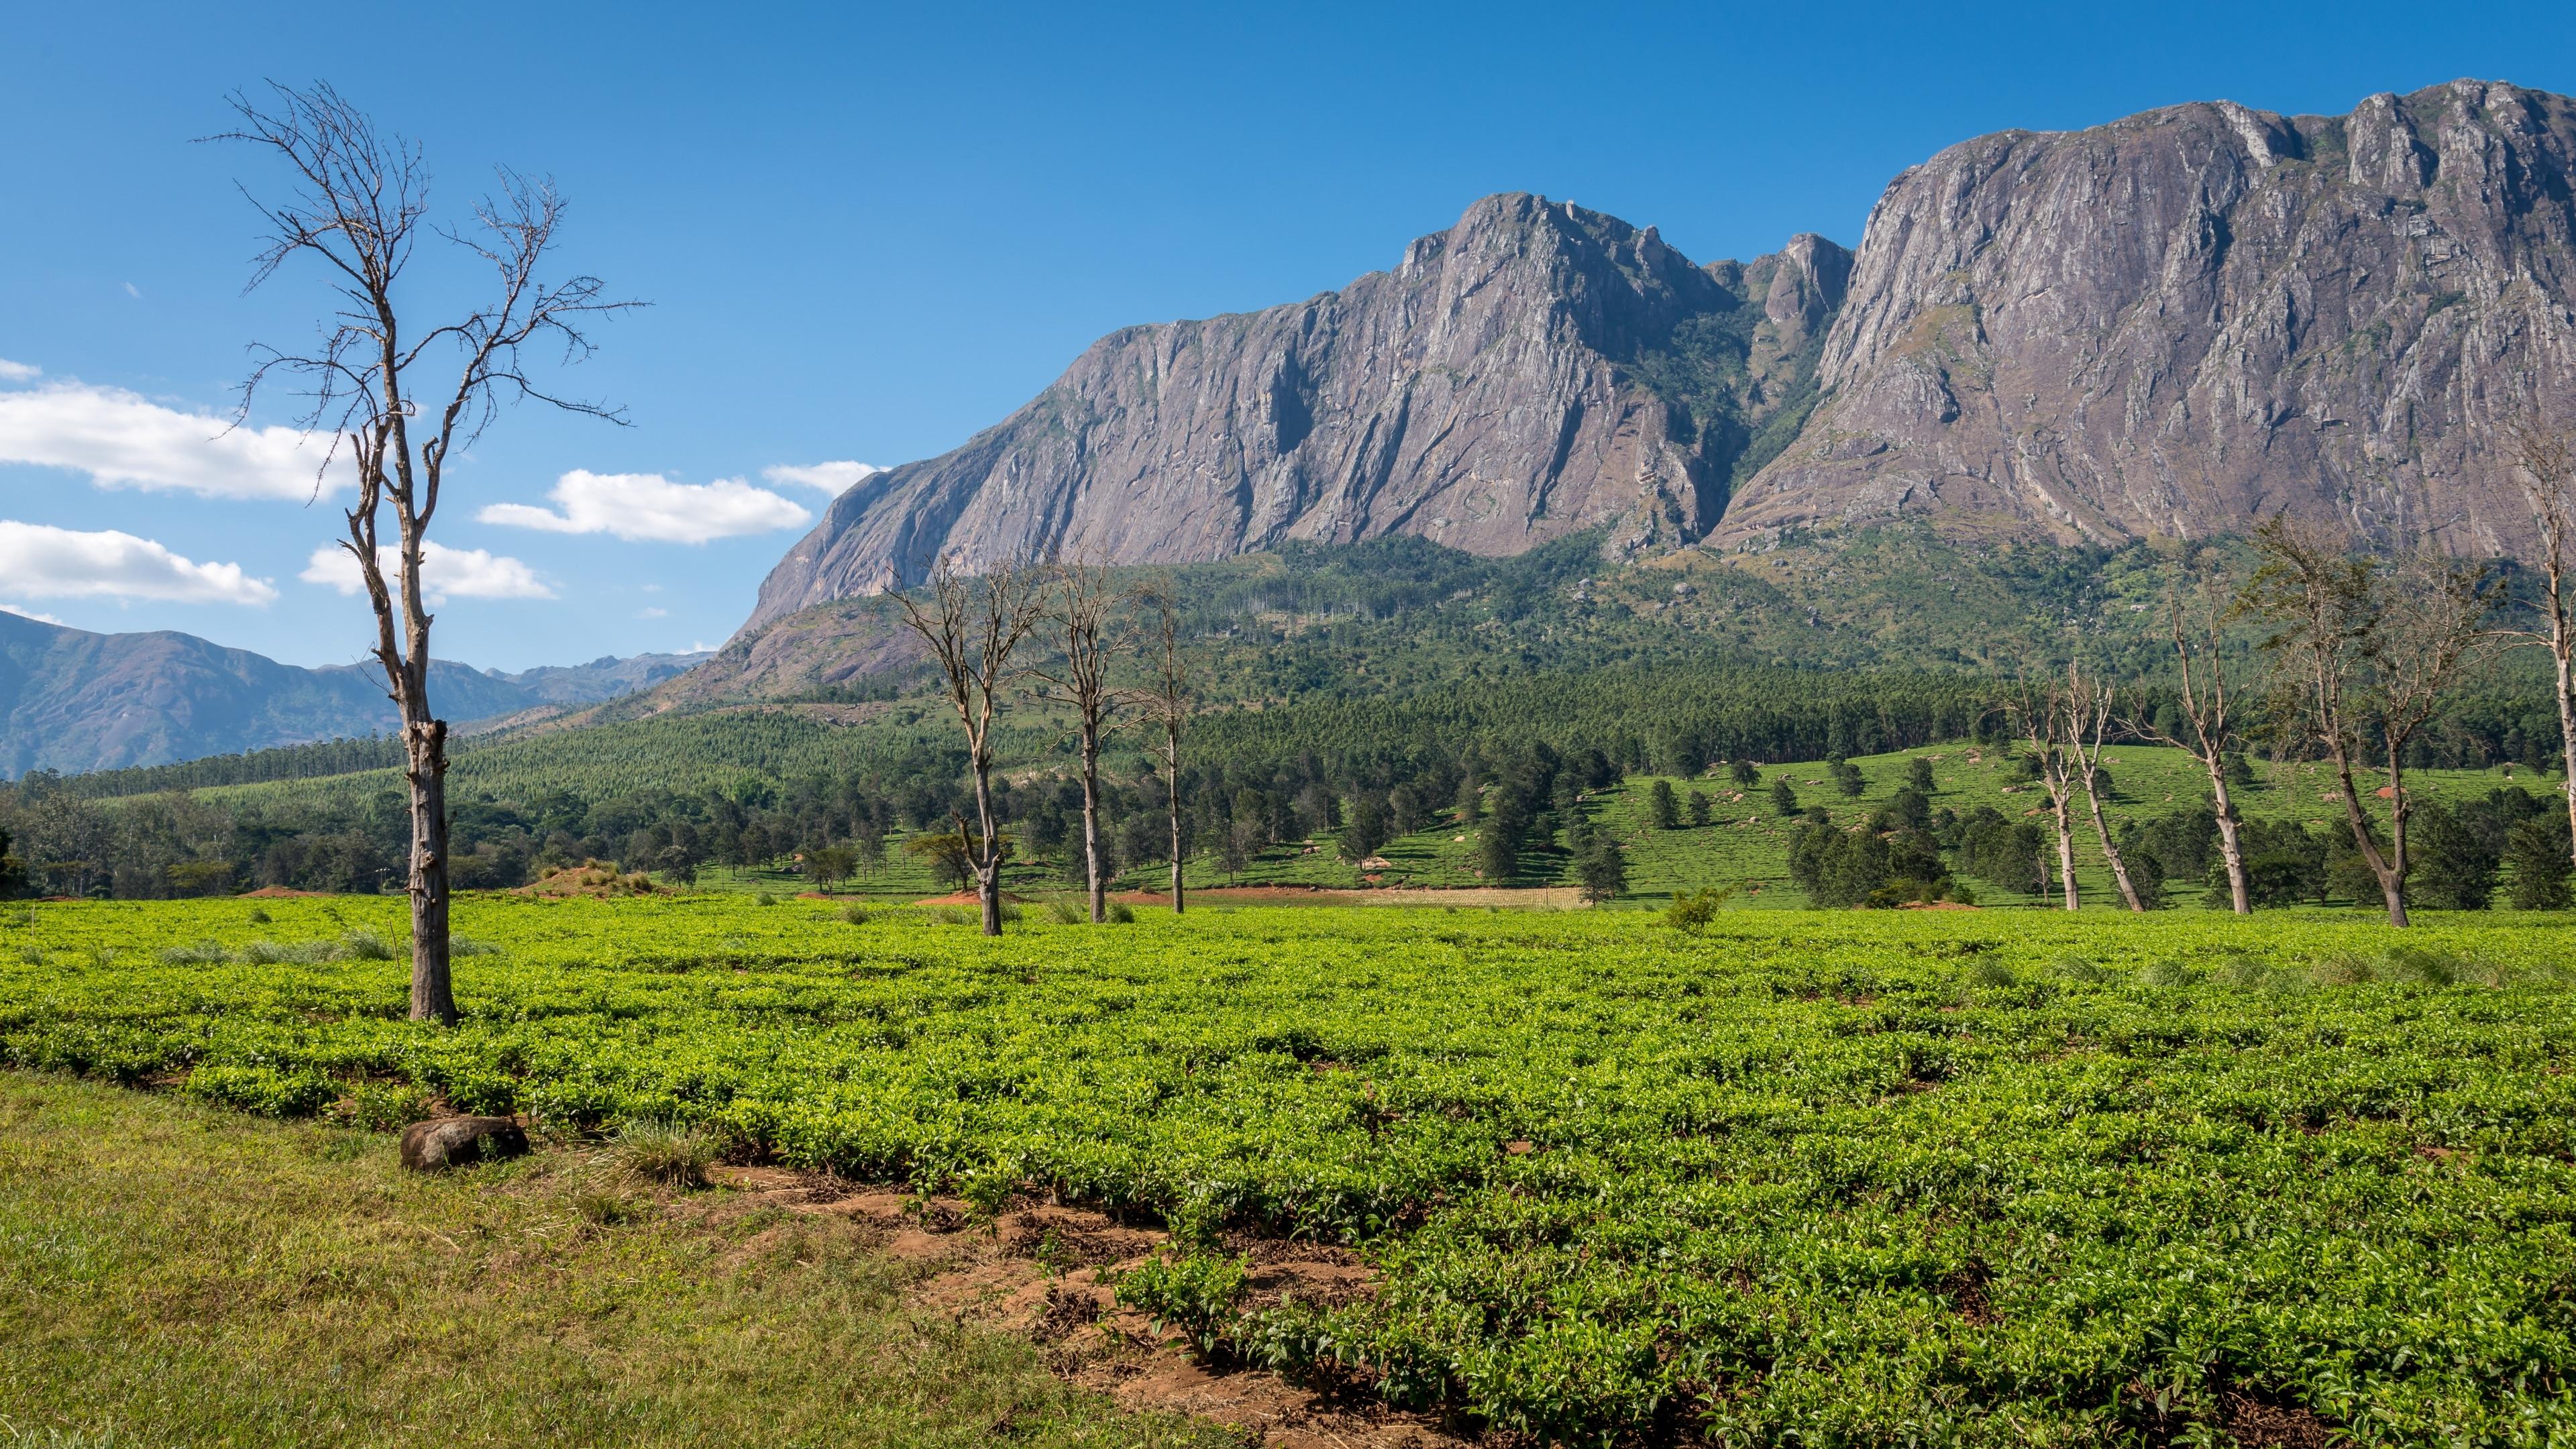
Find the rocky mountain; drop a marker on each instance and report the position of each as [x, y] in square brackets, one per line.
[72, 700]
[2173, 324]
[1536, 370]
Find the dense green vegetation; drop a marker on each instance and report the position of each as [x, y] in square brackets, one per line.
[1859, 1178]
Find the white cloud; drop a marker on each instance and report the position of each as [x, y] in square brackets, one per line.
[652, 613]
[42, 562]
[123, 440]
[18, 371]
[31, 614]
[448, 573]
[641, 506]
[134, 291]
[832, 478]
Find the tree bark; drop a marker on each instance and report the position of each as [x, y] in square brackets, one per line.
[2392, 879]
[2111, 852]
[988, 853]
[1099, 876]
[2562, 643]
[1172, 793]
[433, 996]
[2231, 845]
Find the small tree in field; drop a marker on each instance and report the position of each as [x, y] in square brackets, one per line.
[2545, 460]
[1166, 699]
[356, 204]
[2363, 650]
[1080, 601]
[2208, 731]
[975, 627]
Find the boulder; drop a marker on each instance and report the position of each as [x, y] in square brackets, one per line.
[444, 1142]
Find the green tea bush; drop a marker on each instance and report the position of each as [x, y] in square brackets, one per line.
[1199, 1294]
[1796, 1183]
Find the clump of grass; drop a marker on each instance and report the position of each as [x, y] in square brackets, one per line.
[1987, 971]
[2164, 972]
[2343, 968]
[673, 1154]
[470, 946]
[1067, 913]
[765, 898]
[857, 913]
[204, 953]
[2243, 971]
[32, 955]
[2079, 970]
[947, 916]
[606, 1209]
[2419, 966]
[1121, 914]
[383, 1106]
[259, 915]
[365, 945]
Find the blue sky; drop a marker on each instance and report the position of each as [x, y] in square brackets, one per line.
[868, 231]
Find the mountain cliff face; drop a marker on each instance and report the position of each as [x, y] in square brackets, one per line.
[72, 700]
[1534, 371]
[2173, 324]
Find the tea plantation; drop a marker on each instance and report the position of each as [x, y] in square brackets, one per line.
[1852, 1178]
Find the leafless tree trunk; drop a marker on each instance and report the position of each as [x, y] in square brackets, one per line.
[2546, 460]
[2042, 713]
[1166, 697]
[2365, 649]
[2087, 715]
[357, 203]
[1082, 601]
[973, 627]
[2205, 705]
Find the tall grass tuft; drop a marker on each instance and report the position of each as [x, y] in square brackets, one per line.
[670, 1153]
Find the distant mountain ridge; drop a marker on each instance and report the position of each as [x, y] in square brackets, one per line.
[2163, 327]
[72, 700]
[1534, 371]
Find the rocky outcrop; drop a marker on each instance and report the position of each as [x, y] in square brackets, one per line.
[2174, 324]
[1534, 371]
[444, 1142]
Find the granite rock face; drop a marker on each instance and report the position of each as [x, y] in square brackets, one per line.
[1536, 370]
[2174, 324]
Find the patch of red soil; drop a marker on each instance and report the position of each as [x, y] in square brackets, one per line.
[278, 893]
[1037, 1271]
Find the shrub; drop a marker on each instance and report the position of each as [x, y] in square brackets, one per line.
[670, 1153]
[1691, 911]
[1067, 913]
[856, 913]
[1121, 914]
[1198, 1293]
[264, 1090]
[383, 1106]
[1987, 971]
[259, 915]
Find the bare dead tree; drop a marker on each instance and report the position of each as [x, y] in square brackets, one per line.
[2040, 709]
[358, 201]
[2205, 711]
[973, 627]
[2364, 650]
[1166, 700]
[1082, 603]
[2087, 714]
[2545, 460]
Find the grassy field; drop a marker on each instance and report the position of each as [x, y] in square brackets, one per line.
[1745, 845]
[1851, 1178]
[175, 1274]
